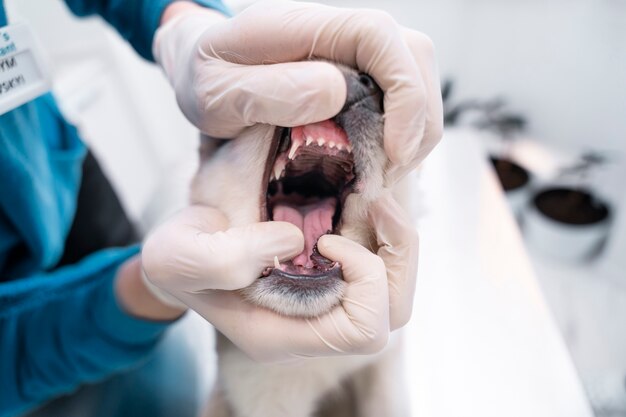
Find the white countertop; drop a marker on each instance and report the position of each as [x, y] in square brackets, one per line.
[482, 341]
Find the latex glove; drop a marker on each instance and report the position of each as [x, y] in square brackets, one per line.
[219, 70]
[196, 250]
[191, 255]
[398, 244]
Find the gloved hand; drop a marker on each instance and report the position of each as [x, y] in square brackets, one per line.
[399, 249]
[219, 70]
[196, 250]
[196, 258]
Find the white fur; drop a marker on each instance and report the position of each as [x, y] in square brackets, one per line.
[231, 179]
[291, 305]
[253, 389]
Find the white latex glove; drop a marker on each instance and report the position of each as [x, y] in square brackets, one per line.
[219, 70]
[194, 258]
[399, 249]
[196, 250]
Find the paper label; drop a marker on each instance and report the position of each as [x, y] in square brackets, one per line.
[23, 71]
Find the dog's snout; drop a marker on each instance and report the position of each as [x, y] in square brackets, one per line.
[363, 90]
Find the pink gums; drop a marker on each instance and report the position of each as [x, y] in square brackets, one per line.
[327, 130]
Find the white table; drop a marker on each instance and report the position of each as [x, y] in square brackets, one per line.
[481, 341]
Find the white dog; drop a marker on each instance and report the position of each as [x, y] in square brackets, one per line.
[320, 177]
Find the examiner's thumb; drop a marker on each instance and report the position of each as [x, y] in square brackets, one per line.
[241, 254]
[284, 94]
[357, 263]
[196, 250]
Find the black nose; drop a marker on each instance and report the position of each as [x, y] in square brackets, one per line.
[363, 90]
[368, 82]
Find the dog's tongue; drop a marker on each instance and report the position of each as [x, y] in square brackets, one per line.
[314, 220]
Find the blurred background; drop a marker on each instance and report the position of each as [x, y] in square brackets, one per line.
[539, 87]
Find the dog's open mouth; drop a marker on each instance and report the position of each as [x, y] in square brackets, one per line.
[307, 184]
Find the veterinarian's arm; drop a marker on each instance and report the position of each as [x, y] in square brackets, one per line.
[195, 257]
[219, 69]
[75, 325]
[135, 20]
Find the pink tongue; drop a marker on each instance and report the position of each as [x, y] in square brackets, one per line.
[314, 220]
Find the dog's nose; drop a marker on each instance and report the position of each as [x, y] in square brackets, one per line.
[363, 90]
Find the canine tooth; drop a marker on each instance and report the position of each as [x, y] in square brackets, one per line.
[276, 263]
[348, 148]
[278, 170]
[331, 144]
[293, 150]
[339, 146]
[309, 140]
[321, 141]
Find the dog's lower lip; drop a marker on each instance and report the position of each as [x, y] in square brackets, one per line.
[322, 268]
[333, 272]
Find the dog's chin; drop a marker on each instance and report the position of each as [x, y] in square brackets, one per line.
[295, 296]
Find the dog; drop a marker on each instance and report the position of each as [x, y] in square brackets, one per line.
[322, 178]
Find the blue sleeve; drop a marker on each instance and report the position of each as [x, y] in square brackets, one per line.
[64, 328]
[135, 20]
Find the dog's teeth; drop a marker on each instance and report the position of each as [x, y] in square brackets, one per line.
[309, 140]
[293, 150]
[276, 263]
[339, 147]
[278, 170]
[331, 144]
[348, 148]
[321, 141]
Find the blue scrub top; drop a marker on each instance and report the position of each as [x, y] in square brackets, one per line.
[61, 328]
